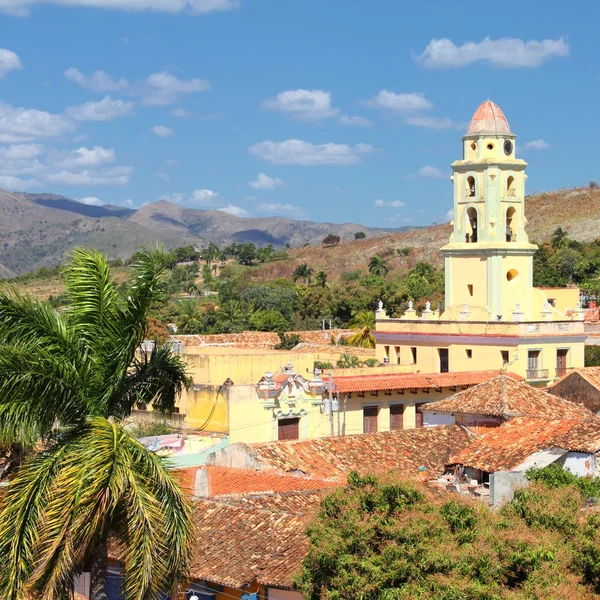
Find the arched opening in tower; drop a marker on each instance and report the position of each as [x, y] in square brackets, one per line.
[510, 187]
[510, 224]
[471, 235]
[470, 186]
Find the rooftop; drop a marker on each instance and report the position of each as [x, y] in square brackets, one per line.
[405, 381]
[488, 118]
[333, 458]
[590, 374]
[507, 447]
[502, 396]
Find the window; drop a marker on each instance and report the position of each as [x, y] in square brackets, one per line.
[469, 353]
[510, 235]
[504, 354]
[387, 352]
[370, 414]
[533, 365]
[413, 352]
[510, 186]
[561, 361]
[471, 225]
[288, 429]
[444, 361]
[397, 350]
[490, 146]
[419, 415]
[512, 275]
[470, 186]
[470, 288]
[396, 416]
[473, 146]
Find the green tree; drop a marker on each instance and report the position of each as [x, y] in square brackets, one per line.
[268, 320]
[364, 324]
[63, 375]
[264, 254]
[321, 280]
[360, 235]
[188, 320]
[348, 361]
[233, 315]
[378, 266]
[287, 342]
[331, 240]
[246, 254]
[559, 238]
[304, 272]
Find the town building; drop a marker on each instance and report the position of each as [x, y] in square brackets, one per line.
[581, 386]
[493, 316]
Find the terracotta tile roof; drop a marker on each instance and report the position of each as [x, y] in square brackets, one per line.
[240, 544]
[488, 118]
[294, 503]
[502, 396]
[405, 381]
[259, 339]
[508, 446]
[590, 374]
[334, 457]
[222, 481]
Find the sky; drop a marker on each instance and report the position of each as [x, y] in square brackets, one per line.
[327, 110]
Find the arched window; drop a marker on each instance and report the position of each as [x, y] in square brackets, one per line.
[470, 186]
[471, 225]
[510, 186]
[510, 224]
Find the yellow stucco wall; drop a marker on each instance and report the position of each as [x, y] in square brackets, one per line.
[468, 271]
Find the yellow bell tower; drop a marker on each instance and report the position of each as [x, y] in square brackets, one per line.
[489, 260]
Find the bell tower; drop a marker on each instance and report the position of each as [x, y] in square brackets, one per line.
[489, 260]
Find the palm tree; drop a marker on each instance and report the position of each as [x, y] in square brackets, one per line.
[302, 271]
[66, 378]
[378, 266]
[321, 280]
[559, 239]
[348, 361]
[364, 324]
[232, 313]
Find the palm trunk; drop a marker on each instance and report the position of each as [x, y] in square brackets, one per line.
[99, 571]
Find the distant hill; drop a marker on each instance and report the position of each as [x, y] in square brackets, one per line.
[39, 229]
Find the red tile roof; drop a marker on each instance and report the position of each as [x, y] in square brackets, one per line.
[502, 396]
[590, 374]
[405, 381]
[508, 446]
[224, 481]
[488, 118]
[240, 544]
[334, 457]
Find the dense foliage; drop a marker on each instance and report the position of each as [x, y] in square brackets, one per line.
[386, 538]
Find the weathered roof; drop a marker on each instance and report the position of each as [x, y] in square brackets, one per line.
[405, 381]
[239, 544]
[590, 374]
[502, 396]
[334, 457]
[508, 446]
[223, 481]
[488, 118]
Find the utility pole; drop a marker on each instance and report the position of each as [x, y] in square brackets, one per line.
[338, 413]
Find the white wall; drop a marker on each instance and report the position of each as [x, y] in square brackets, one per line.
[434, 418]
[579, 463]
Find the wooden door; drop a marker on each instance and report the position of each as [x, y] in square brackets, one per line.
[370, 414]
[533, 364]
[444, 360]
[288, 429]
[561, 362]
[396, 416]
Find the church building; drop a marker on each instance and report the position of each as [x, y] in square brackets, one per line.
[493, 317]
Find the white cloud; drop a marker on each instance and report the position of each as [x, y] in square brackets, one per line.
[358, 121]
[203, 197]
[537, 145]
[430, 172]
[171, 161]
[391, 204]
[307, 105]
[91, 201]
[505, 52]
[163, 176]
[9, 61]
[236, 211]
[128, 203]
[28, 124]
[288, 210]
[400, 103]
[111, 176]
[400, 218]
[99, 81]
[299, 152]
[83, 157]
[106, 109]
[434, 123]
[162, 131]
[164, 88]
[22, 8]
[180, 113]
[20, 151]
[264, 182]
[16, 184]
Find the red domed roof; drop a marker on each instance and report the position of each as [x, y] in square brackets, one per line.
[488, 118]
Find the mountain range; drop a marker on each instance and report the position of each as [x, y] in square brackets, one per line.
[39, 229]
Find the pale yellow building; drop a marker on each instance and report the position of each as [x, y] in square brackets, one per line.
[493, 317]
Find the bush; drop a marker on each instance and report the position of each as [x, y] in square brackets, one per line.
[287, 342]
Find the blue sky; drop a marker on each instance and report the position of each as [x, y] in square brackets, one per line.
[331, 110]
